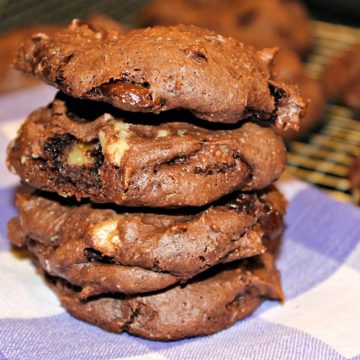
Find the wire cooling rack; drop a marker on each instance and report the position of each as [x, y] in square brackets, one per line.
[324, 157]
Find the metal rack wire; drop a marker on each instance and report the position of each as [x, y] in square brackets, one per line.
[324, 158]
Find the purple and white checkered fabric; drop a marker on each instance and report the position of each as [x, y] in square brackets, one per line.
[319, 262]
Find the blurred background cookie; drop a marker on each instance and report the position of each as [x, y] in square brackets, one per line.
[11, 79]
[263, 23]
[354, 176]
[288, 66]
[342, 78]
[102, 21]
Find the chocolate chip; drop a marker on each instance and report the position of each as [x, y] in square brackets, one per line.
[56, 145]
[196, 53]
[247, 17]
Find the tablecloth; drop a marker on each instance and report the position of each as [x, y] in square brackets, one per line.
[320, 269]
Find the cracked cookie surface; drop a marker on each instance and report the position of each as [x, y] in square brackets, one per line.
[156, 69]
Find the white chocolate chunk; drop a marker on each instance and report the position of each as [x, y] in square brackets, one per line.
[181, 132]
[115, 147]
[225, 149]
[105, 234]
[79, 155]
[162, 133]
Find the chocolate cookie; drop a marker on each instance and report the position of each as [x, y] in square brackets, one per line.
[342, 78]
[288, 66]
[101, 21]
[77, 148]
[263, 23]
[209, 303]
[10, 79]
[354, 175]
[163, 68]
[108, 250]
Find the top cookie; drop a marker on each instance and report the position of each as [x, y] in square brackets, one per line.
[162, 68]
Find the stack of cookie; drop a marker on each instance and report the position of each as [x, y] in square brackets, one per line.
[175, 211]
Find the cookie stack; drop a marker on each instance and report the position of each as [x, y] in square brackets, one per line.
[175, 211]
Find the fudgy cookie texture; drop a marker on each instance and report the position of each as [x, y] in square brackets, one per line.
[288, 66]
[342, 78]
[354, 175]
[261, 23]
[78, 148]
[107, 250]
[207, 304]
[163, 68]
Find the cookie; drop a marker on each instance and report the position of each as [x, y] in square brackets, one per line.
[111, 250]
[163, 68]
[263, 23]
[78, 148]
[209, 303]
[342, 78]
[105, 22]
[288, 66]
[11, 79]
[354, 176]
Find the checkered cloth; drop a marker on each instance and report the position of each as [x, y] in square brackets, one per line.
[319, 263]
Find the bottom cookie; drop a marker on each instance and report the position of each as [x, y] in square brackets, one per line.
[209, 303]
